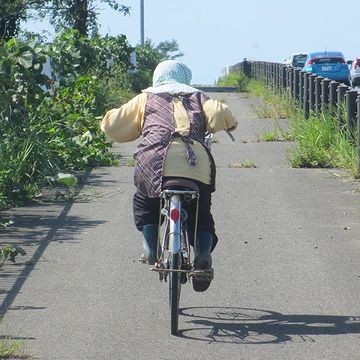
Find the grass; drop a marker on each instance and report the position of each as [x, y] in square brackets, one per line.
[11, 349]
[275, 106]
[321, 145]
[278, 134]
[235, 78]
[244, 164]
[319, 142]
[263, 111]
[275, 135]
[130, 162]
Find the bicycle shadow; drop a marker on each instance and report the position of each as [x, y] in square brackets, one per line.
[255, 326]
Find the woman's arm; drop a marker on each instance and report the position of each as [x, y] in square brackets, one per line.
[124, 124]
[218, 116]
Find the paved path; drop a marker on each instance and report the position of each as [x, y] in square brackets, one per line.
[287, 269]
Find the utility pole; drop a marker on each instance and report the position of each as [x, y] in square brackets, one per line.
[142, 22]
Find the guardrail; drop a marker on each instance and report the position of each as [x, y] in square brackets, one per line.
[216, 88]
[313, 94]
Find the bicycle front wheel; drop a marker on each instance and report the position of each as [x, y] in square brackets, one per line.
[174, 292]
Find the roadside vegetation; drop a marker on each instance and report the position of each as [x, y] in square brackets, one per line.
[235, 78]
[319, 143]
[49, 125]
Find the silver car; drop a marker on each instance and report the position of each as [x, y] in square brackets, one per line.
[355, 72]
[296, 60]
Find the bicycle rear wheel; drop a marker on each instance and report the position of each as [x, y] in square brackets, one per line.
[174, 292]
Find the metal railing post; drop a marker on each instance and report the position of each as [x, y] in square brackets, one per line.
[341, 90]
[312, 92]
[277, 82]
[283, 77]
[333, 97]
[325, 95]
[296, 83]
[291, 82]
[301, 88]
[350, 97]
[306, 95]
[318, 80]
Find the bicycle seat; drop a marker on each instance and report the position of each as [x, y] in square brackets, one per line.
[180, 184]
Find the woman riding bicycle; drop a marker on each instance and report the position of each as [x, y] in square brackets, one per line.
[172, 118]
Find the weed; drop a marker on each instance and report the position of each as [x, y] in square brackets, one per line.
[10, 252]
[277, 106]
[11, 349]
[6, 224]
[271, 136]
[320, 141]
[130, 162]
[321, 144]
[264, 112]
[244, 164]
[235, 78]
[277, 135]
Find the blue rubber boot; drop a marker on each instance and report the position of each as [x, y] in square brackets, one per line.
[150, 233]
[203, 260]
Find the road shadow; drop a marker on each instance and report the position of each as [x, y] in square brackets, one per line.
[43, 222]
[36, 226]
[237, 325]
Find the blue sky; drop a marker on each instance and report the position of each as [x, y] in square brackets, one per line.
[213, 34]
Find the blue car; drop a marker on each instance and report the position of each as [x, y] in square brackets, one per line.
[328, 64]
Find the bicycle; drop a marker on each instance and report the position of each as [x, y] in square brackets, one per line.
[174, 255]
[174, 262]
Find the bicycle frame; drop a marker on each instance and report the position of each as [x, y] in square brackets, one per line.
[174, 260]
[175, 226]
[174, 203]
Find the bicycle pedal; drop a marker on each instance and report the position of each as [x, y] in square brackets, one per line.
[204, 274]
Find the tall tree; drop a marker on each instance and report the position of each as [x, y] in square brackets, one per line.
[169, 50]
[77, 14]
[12, 12]
[81, 15]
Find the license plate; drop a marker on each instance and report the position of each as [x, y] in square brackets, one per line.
[326, 68]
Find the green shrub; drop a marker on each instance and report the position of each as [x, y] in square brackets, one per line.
[43, 134]
[49, 126]
[235, 78]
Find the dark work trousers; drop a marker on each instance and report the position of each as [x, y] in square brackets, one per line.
[147, 211]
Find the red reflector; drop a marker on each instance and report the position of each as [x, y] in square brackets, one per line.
[174, 215]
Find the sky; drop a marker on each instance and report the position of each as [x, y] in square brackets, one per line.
[214, 34]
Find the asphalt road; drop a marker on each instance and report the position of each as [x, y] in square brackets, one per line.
[287, 269]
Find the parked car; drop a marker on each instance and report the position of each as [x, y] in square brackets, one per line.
[355, 72]
[328, 64]
[296, 60]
